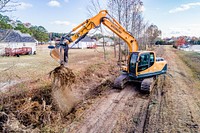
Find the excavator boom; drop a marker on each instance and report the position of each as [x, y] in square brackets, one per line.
[111, 23]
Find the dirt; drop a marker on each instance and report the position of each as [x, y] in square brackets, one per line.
[172, 106]
[62, 79]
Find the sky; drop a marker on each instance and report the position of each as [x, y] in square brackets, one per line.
[173, 17]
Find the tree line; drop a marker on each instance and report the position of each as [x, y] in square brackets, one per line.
[38, 32]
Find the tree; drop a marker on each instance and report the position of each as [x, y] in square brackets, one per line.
[93, 8]
[7, 5]
[39, 33]
[180, 41]
[153, 32]
[4, 22]
[129, 14]
[23, 29]
[4, 25]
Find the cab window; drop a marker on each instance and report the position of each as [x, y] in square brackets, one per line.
[143, 62]
[151, 59]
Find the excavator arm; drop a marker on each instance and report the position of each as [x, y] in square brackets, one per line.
[112, 24]
[82, 30]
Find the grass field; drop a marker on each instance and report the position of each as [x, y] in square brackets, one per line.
[14, 70]
[192, 60]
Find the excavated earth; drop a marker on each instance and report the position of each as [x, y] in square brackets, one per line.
[172, 106]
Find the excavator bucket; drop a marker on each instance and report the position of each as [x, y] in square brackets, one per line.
[59, 53]
[56, 54]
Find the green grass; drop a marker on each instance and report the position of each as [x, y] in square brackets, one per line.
[192, 60]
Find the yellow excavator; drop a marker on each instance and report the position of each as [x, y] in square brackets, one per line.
[142, 66]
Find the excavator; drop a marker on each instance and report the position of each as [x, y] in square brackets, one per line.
[142, 66]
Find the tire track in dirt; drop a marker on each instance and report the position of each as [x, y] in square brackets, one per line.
[111, 111]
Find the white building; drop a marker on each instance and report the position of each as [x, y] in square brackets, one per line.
[107, 41]
[86, 42]
[15, 39]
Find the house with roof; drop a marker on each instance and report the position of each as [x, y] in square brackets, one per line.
[86, 42]
[106, 40]
[11, 39]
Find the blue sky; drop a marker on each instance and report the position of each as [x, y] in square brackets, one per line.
[173, 17]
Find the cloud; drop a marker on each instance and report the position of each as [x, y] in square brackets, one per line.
[23, 6]
[58, 22]
[54, 3]
[184, 7]
[66, 1]
[183, 30]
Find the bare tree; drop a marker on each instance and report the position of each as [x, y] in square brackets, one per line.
[115, 8]
[93, 8]
[129, 15]
[153, 32]
[7, 5]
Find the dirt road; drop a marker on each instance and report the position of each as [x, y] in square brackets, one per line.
[110, 111]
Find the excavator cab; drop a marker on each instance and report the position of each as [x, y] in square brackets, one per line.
[142, 64]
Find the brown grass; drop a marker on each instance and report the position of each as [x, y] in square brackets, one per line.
[30, 106]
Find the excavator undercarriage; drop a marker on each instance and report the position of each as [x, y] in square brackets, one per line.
[144, 85]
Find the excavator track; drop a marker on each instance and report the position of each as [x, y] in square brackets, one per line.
[121, 81]
[147, 85]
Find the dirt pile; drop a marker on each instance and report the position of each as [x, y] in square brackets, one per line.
[62, 95]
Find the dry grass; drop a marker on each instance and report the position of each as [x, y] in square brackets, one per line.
[38, 66]
[29, 104]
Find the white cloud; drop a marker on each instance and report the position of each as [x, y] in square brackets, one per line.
[54, 3]
[58, 22]
[184, 7]
[183, 30]
[23, 6]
